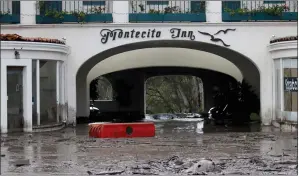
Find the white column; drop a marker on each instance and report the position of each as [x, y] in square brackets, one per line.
[62, 84]
[281, 93]
[38, 92]
[214, 11]
[64, 90]
[4, 97]
[28, 12]
[120, 12]
[57, 90]
[27, 96]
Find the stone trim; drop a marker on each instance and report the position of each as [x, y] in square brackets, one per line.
[16, 37]
[284, 39]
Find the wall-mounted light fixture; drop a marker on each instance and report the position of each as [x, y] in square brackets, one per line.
[17, 54]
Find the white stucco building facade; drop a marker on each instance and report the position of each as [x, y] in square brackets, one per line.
[93, 49]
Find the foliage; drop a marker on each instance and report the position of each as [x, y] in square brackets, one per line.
[241, 98]
[275, 10]
[93, 93]
[175, 9]
[141, 6]
[153, 11]
[100, 89]
[56, 14]
[174, 94]
[5, 13]
[168, 94]
[98, 10]
[80, 15]
[249, 98]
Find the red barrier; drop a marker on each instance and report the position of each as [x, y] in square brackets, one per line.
[122, 130]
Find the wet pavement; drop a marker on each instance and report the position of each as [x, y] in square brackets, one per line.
[177, 149]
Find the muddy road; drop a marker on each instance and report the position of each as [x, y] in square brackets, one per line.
[177, 149]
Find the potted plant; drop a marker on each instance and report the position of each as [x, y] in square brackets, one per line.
[5, 17]
[51, 17]
[98, 14]
[171, 13]
[262, 13]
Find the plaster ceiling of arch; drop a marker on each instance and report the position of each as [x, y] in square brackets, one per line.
[154, 57]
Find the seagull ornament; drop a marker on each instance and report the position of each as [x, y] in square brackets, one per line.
[214, 39]
[224, 31]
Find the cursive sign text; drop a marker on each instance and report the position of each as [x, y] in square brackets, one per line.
[119, 33]
[179, 33]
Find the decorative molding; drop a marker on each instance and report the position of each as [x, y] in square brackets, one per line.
[284, 39]
[34, 46]
[16, 37]
[288, 45]
[288, 49]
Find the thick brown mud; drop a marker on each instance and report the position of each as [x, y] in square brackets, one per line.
[177, 149]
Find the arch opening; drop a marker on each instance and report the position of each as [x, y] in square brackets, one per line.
[243, 68]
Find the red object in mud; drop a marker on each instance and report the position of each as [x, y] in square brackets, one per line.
[121, 130]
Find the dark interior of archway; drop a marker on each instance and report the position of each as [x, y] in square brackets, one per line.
[122, 87]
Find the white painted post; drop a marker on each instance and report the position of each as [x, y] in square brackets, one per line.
[27, 96]
[28, 12]
[281, 89]
[120, 11]
[4, 97]
[38, 92]
[214, 11]
[57, 90]
[62, 84]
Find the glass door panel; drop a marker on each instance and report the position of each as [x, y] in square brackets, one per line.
[15, 99]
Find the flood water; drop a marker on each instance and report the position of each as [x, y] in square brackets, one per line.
[243, 150]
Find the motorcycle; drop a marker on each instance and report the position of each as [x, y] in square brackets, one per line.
[220, 114]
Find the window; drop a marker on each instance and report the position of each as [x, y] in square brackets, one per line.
[157, 2]
[290, 81]
[98, 3]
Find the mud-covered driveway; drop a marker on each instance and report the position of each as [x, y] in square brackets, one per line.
[177, 149]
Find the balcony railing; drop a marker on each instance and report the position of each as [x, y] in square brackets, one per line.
[9, 12]
[233, 11]
[167, 11]
[49, 12]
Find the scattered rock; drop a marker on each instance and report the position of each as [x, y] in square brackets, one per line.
[293, 167]
[257, 161]
[108, 172]
[144, 173]
[20, 163]
[235, 173]
[269, 170]
[202, 167]
[63, 140]
[286, 162]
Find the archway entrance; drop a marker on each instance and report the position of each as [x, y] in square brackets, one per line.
[164, 53]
